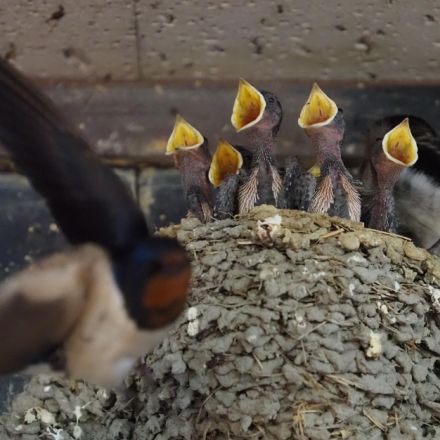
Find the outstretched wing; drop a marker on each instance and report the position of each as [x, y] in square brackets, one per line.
[88, 201]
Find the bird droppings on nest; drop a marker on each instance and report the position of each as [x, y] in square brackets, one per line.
[310, 327]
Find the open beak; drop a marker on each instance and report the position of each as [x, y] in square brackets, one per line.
[249, 106]
[183, 137]
[226, 161]
[318, 111]
[400, 146]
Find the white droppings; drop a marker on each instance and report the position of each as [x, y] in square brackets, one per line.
[77, 432]
[39, 414]
[274, 220]
[357, 259]
[55, 433]
[192, 313]
[351, 288]
[375, 345]
[77, 412]
[435, 297]
[300, 321]
[29, 416]
[193, 328]
[193, 324]
[383, 308]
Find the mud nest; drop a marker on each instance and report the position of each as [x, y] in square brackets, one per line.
[299, 327]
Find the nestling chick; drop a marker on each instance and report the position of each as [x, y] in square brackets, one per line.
[336, 192]
[259, 114]
[191, 157]
[224, 176]
[387, 156]
[417, 192]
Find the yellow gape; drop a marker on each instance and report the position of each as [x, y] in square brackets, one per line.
[226, 161]
[249, 106]
[183, 137]
[400, 146]
[319, 110]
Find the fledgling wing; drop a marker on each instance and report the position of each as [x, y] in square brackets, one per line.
[299, 186]
[88, 201]
[225, 205]
[40, 305]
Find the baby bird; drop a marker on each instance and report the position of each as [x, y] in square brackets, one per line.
[417, 192]
[224, 174]
[104, 303]
[192, 158]
[335, 192]
[387, 156]
[259, 114]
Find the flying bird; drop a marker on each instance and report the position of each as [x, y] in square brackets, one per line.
[387, 155]
[259, 114]
[336, 191]
[189, 150]
[118, 288]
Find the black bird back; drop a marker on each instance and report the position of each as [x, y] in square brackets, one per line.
[88, 201]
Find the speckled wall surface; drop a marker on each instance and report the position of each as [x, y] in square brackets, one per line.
[166, 39]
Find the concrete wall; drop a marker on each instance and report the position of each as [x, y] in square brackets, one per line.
[223, 39]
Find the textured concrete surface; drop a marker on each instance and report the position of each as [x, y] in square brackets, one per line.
[70, 39]
[281, 39]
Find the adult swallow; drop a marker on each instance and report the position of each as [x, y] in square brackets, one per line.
[259, 114]
[145, 278]
[192, 158]
[224, 174]
[324, 124]
[387, 155]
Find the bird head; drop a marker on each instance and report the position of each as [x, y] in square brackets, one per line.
[318, 111]
[258, 109]
[155, 278]
[184, 137]
[395, 151]
[227, 161]
[320, 116]
[399, 145]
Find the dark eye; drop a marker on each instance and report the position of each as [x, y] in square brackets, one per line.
[340, 110]
[378, 139]
[271, 100]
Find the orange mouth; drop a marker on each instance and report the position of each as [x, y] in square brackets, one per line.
[249, 106]
[226, 161]
[400, 146]
[183, 137]
[318, 111]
